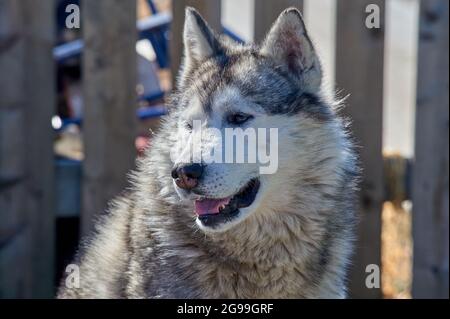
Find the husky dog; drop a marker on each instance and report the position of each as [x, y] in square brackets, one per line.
[223, 230]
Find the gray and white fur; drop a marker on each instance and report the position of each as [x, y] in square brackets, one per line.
[294, 241]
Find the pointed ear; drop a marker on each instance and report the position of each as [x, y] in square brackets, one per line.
[200, 42]
[289, 45]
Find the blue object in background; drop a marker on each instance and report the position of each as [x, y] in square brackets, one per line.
[68, 187]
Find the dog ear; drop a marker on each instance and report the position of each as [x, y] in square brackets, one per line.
[289, 45]
[200, 42]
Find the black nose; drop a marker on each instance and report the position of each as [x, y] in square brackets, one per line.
[187, 176]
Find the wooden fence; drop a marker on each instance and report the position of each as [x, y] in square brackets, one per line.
[26, 169]
[430, 178]
[109, 127]
[360, 74]
[27, 103]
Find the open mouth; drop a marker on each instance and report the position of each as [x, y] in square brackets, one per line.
[212, 211]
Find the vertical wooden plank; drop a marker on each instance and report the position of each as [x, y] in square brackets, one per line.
[109, 87]
[430, 170]
[27, 85]
[14, 248]
[359, 72]
[267, 11]
[209, 9]
[40, 89]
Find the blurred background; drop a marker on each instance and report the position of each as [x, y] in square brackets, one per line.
[80, 101]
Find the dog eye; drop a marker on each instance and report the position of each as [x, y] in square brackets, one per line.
[238, 118]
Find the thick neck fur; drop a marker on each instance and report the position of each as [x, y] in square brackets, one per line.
[264, 256]
[274, 252]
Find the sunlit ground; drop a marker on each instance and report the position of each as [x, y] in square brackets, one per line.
[396, 252]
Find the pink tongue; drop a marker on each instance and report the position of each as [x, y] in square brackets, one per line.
[210, 206]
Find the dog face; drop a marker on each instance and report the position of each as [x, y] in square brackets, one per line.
[268, 95]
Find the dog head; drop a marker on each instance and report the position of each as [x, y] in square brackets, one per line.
[268, 97]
